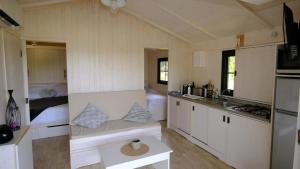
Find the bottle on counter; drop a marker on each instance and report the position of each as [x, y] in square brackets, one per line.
[189, 91]
[192, 88]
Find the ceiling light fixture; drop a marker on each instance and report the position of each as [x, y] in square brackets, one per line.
[114, 5]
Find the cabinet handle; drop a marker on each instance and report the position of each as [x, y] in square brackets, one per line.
[193, 108]
[224, 118]
[228, 120]
[178, 103]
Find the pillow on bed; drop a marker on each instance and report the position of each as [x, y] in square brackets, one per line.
[48, 93]
[90, 117]
[138, 114]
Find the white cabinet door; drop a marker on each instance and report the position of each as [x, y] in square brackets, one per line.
[249, 143]
[255, 73]
[184, 116]
[297, 142]
[199, 119]
[172, 112]
[8, 157]
[217, 130]
[24, 152]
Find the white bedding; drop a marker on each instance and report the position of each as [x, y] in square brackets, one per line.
[157, 105]
[56, 115]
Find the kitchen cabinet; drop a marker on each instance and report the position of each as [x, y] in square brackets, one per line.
[184, 108]
[217, 129]
[240, 141]
[248, 143]
[17, 154]
[199, 124]
[172, 112]
[255, 73]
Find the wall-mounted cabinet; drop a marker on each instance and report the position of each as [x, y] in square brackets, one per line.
[255, 69]
[199, 59]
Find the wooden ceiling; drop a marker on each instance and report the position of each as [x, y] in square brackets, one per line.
[199, 20]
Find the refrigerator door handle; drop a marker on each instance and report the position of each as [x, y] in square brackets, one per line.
[291, 113]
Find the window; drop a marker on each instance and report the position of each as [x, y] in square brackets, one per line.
[162, 71]
[228, 72]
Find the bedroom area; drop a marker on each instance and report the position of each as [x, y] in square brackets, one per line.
[156, 76]
[47, 89]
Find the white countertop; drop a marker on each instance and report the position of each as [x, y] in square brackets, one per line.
[18, 135]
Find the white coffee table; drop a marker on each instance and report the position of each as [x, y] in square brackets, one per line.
[158, 155]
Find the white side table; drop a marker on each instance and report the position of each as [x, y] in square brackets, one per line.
[158, 155]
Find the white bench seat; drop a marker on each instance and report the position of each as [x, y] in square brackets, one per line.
[84, 142]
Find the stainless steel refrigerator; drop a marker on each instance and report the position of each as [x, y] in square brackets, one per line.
[285, 122]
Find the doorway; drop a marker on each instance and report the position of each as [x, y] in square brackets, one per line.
[156, 77]
[47, 88]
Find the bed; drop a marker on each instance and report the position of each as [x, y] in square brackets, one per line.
[157, 104]
[49, 110]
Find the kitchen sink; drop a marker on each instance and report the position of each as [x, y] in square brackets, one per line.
[194, 97]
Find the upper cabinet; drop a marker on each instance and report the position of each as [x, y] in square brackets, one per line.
[12, 8]
[255, 73]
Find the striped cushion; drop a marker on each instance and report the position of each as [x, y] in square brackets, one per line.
[138, 114]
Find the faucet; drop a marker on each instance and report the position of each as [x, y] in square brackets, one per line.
[222, 94]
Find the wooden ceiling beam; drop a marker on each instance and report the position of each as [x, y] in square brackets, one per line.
[156, 25]
[187, 21]
[254, 13]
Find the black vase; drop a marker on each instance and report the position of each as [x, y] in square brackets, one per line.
[13, 115]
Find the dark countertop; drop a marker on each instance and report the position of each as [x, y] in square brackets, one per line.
[218, 104]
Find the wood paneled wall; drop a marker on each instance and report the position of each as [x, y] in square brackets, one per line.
[46, 64]
[105, 52]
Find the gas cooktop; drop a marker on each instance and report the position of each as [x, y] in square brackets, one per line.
[253, 110]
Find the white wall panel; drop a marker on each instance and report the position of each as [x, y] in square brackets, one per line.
[46, 65]
[3, 92]
[105, 52]
[14, 71]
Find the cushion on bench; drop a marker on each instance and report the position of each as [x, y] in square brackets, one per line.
[110, 127]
